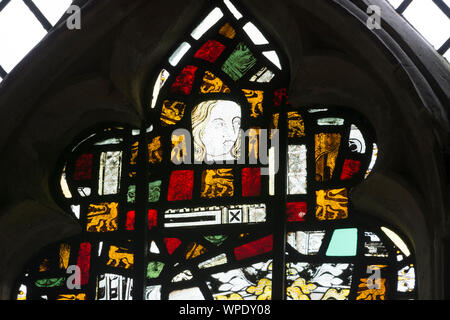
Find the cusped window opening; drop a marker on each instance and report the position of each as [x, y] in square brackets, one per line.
[226, 192]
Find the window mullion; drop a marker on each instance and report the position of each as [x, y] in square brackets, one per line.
[141, 218]
[278, 211]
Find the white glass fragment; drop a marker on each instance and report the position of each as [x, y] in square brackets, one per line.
[397, 241]
[296, 180]
[84, 191]
[273, 57]
[179, 53]
[183, 276]
[100, 247]
[255, 35]
[109, 141]
[187, 294]
[207, 23]
[237, 281]
[330, 121]
[406, 279]
[356, 141]
[373, 160]
[153, 292]
[114, 287]
[317, 110]
[215, 261]
[154, 248]
[306, 242]
[64, 186]
[233, 9]
[272, 171]
[76, 210]
[109, 173]
[159, 83]
[264, 75]
[203, 216]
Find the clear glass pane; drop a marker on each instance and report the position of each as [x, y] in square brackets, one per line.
[53, 10]
[430, 21]
[395, 3]
[20, 31]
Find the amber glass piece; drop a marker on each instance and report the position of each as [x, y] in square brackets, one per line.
[213, 84]
[326, 152]
[255, 99]
[79, 296]
[179, 149]
[172, 112]
[227, 31]
[134, 152]
[194, 250]
[44, 266]
[296, 125]
[120, 257]
[217, 183]
[372, 289]
[155, 151]
[102, 217]
[253, 144]
[64, 255]
[331, 204]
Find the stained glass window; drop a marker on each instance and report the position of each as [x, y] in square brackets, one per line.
[226, 192]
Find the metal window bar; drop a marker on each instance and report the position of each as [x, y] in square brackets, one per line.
[3, 4]
[402, 7]
[38, 14]
[445, 47]
[443, 6]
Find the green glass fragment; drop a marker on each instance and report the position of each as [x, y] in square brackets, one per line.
[131, 194]
[154, 269]
[49, 283]
[239, 62]
[154, 191]
[216, 239]
[343, 242]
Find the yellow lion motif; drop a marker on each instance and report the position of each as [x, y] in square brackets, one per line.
[217, 183]
[120, 257]
[102, 217]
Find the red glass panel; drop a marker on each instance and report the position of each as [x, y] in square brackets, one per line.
[351, 167]
[278, 96]
[254, 248]
[172, 244]
[181, 185]
[210, 51]
[183, 83]
[296, 211]
[129, 224]
[83, 262]
[251, 182]
[152, 218]
[83, 167]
